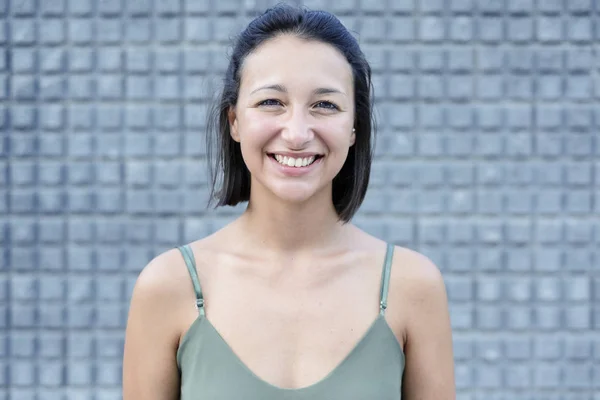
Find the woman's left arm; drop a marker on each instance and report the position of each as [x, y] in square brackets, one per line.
[429, 369]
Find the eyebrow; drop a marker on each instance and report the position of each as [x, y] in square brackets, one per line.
[282, 89]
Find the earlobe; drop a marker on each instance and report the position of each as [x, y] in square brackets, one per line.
[233, 126]
[353, 137]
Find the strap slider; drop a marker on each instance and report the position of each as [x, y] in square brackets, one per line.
[199, 303]
[383, 305]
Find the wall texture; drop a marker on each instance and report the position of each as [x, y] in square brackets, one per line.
[488, 161]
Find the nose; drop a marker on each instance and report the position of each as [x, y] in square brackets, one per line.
[297, 131]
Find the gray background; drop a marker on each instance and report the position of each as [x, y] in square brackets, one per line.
[488, 162]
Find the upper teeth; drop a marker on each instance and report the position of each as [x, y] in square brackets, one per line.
[294, 162]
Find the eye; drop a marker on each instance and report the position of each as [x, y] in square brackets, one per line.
[270, 103]
[327, 105]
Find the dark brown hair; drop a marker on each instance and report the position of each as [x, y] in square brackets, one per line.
[229, 173]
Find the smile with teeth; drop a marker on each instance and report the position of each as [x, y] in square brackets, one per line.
[294, 162]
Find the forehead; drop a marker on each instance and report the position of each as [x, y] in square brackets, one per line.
[291, 60]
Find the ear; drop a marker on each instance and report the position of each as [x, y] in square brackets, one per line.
[233, 125]
[353, 137]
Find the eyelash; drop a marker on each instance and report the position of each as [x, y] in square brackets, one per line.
[263, 103]
[330, 105]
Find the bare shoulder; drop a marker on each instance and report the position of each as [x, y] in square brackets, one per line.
[421, 306]
[414, 278]
[160, 288]
[417, 291]
[162, 276]
[153, 329]
[417, 275]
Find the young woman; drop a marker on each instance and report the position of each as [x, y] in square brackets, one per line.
[291, 300]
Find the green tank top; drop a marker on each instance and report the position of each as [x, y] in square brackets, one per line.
[210, 370]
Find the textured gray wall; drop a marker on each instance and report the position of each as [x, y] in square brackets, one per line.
[488, 161]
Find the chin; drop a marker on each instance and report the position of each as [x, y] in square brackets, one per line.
[293, 193]
[294, 196]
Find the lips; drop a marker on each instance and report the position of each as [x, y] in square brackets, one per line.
[294, 155]
[297, 166]
[297, 162]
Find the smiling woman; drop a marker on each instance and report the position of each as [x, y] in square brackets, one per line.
[308, 112]
[318, 59]
[292, 301]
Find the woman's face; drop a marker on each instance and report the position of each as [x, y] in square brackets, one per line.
[294, 117]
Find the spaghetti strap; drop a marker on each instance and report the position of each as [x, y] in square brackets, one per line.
[385, 278]
[190, 263]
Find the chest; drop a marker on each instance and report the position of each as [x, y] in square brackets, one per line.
[292, 334]
[210, 370]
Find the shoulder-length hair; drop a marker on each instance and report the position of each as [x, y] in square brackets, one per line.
[230, 178]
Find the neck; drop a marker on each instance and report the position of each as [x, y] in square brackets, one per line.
[283, 227]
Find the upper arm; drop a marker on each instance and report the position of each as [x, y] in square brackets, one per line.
[429, 368]
[149, 361]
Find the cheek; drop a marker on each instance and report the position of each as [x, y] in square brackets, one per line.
[255, 135]
[340, 140]
[258, 129]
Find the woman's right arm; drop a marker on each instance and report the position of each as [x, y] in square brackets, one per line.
[149, 361]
